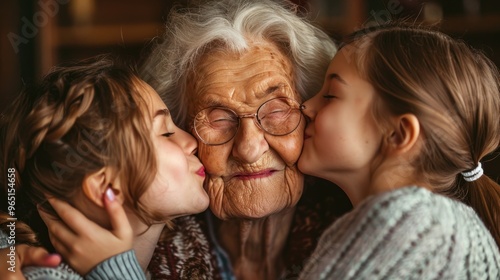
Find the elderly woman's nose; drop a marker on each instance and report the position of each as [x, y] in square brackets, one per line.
[249, 143]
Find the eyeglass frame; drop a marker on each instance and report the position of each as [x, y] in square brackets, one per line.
[251, 115]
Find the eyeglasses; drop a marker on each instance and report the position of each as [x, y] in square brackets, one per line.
[218, 125]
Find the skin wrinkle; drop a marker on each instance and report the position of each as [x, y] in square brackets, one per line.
[261, 88]
[239, 66]
[254, 247]
[249, 87]
[254, 212]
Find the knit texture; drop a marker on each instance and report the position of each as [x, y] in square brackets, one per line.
[122, 266]
[409, 233]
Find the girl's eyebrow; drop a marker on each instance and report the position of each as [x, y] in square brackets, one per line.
[336, 77]
[161, 112]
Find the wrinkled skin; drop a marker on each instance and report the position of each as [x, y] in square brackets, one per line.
[255, 174]
[252, 181]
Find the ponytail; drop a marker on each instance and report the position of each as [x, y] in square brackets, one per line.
[484, 197]
[456, 98]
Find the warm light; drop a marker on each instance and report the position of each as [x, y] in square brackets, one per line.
[82, 11]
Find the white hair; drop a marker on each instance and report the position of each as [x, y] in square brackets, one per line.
[228, 24]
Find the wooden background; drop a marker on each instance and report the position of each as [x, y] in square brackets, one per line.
[38, 34]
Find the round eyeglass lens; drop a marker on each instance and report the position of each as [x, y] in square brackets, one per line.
[279, 116]
[216, 125]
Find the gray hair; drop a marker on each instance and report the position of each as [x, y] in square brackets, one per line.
[192, 32]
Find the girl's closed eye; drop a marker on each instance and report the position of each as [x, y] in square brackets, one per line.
[168, 134]
[329, 96]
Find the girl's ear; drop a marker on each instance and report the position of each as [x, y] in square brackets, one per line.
[406, 132]
[95, 186]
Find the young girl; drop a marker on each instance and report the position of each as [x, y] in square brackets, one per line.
[402, 123]
[93, 134]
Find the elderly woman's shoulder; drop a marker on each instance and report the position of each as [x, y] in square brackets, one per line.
[185, 251]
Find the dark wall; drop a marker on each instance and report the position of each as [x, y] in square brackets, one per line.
[36, 37]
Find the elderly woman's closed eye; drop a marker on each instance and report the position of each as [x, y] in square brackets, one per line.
[253, 172]
[218, 125]
[234, 73]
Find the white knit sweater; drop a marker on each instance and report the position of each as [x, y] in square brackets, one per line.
[409, 233]
[123, 266]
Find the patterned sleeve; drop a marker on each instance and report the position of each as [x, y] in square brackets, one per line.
[4, 240]
[122, 266]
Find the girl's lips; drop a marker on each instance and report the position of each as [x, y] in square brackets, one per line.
[201, 171]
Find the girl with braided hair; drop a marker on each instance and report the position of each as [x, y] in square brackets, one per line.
[94, 136]
[402, 123]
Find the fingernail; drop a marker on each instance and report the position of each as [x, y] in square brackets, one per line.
[52, 260]
[53, 255]
[110, 194]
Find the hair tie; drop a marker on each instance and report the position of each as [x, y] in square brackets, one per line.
[474, 174]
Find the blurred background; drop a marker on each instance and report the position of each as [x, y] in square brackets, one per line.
[38, 34]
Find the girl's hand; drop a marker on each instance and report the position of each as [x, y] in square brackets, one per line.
[82, 243]
[25, 255]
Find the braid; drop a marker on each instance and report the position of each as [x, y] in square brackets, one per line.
[50, 122]
[81, 118]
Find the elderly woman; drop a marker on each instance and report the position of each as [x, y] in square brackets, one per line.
[235, 74]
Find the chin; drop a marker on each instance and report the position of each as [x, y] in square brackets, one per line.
[255, 199]
[202, 203]
[252, 211]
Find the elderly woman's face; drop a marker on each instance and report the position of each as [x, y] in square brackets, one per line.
[254, 174]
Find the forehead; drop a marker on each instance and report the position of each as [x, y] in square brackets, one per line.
[344, 63]
[151, 99]
[242, 79]
[349, 81]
